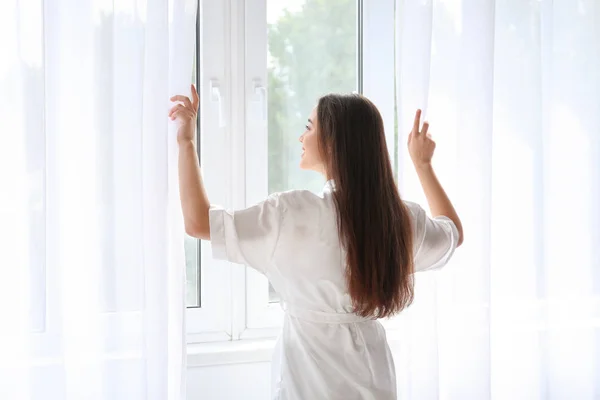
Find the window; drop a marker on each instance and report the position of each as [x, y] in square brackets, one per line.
[311, 52]
[265, 63]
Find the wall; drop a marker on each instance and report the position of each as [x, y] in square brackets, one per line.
[248, 381]
[241, 370]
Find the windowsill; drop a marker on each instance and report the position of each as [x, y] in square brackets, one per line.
[241, 351]
[232, 352]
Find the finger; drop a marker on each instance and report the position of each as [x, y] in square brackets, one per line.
[184, 99]
[174, 112]
[417, 123]
[179, 113]
[195, 98]
[425, 128]
[175, 108]
[184, 112]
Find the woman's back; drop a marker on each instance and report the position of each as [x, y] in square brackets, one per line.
[340, 259]
[326, 351]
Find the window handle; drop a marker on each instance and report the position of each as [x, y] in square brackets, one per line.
[260, 91]
[216, 97]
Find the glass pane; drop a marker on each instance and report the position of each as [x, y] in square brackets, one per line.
[192, 269]
[312, 51]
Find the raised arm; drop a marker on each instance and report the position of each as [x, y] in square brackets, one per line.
[194, 201]
[421, 148]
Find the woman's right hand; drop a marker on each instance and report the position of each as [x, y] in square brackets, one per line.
[421, 148]
[420, 144]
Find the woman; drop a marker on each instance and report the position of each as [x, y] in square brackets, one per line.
[340, 259]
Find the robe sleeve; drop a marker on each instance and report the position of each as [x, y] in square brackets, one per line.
[438, 239]
[247, 236]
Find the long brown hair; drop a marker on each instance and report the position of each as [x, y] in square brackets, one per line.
[374, 224]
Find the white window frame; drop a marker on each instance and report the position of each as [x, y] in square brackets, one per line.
[235, 299]
[211, 322]
[263, 318]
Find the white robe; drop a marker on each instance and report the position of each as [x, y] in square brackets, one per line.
[325, 351]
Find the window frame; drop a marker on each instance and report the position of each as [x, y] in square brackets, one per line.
[212, 321]
[263, 318]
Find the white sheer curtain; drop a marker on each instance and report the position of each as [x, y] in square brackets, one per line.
[512, 90]
[91, 261]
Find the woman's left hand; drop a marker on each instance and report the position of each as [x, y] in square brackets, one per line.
[185, 113]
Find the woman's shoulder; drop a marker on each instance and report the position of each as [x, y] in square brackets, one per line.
[415, 209]
[299, 201]
[418, 216]
[297, 197]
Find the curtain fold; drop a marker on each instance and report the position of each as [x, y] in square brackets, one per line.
[512, 91]
[92, 279]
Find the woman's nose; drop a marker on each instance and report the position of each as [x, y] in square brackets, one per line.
[301, 138]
